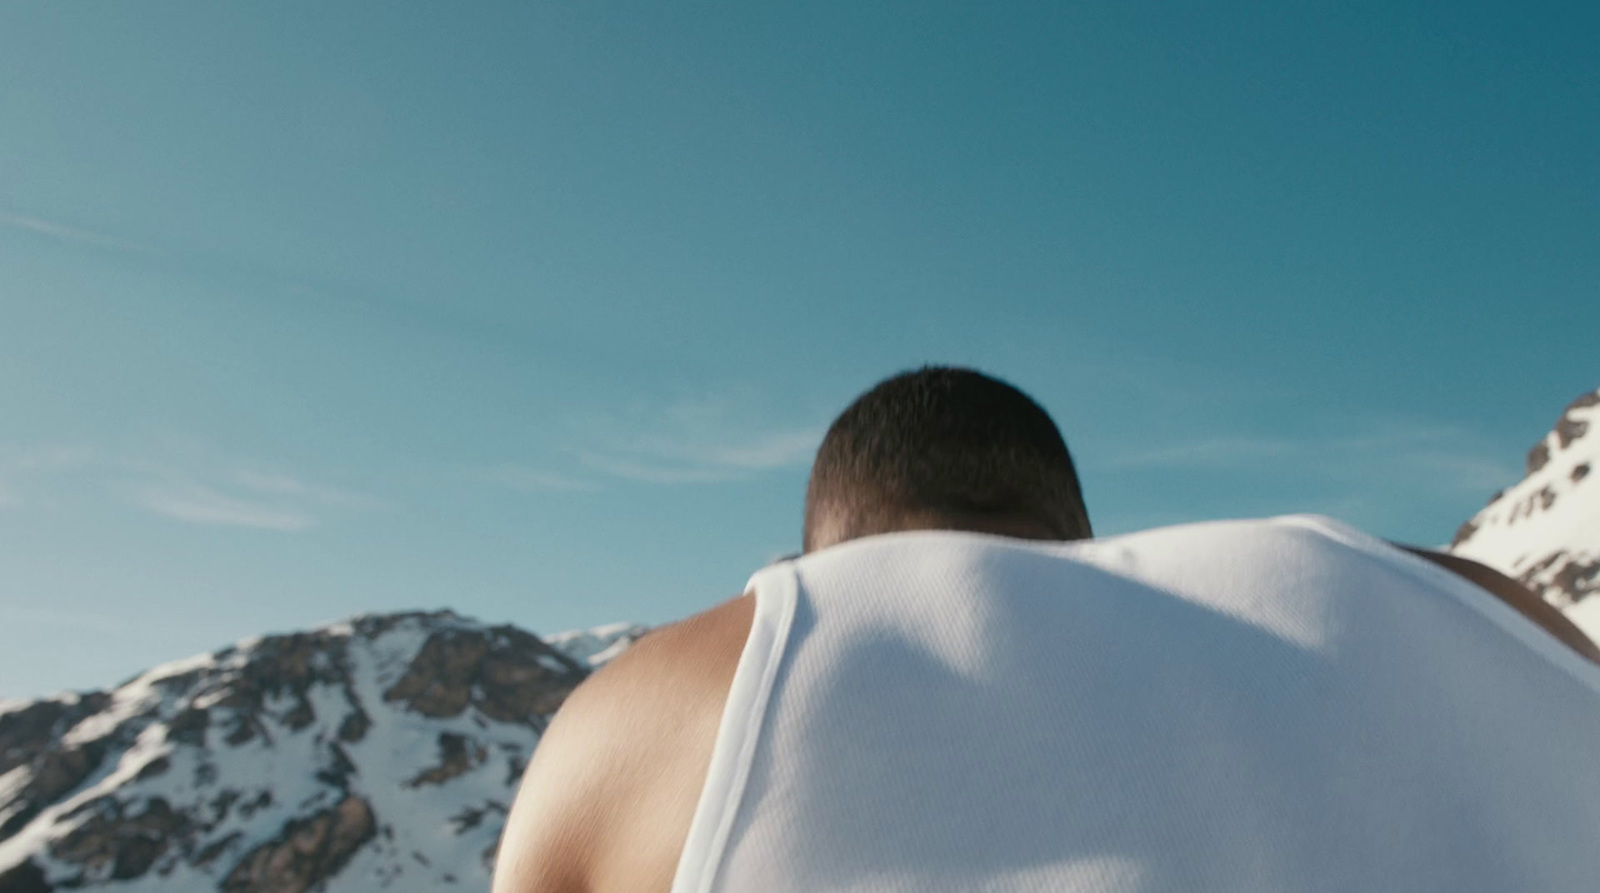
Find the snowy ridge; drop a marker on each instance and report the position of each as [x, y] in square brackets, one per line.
[595, 647]
[379, 753]
[1545, 530]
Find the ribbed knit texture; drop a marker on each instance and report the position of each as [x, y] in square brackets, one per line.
[1283, 705]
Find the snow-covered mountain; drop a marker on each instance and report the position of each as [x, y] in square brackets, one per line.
[1545, 530]
[376, 754]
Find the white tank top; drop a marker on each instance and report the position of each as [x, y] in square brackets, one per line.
[1282, 705]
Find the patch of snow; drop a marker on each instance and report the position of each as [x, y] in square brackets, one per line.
[12, 783]
[551, 663]
[602, 657]
[1551, 519]
[127, 702]
[177, 668]
[595, 646]
[52, 823]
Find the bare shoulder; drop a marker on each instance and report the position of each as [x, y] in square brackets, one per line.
[1527, 602]
[607, 800]
[701, 648]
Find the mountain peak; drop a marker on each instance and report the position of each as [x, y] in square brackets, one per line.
[384, 748]
[1545, 530]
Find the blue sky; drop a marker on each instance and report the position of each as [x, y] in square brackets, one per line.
[537, 310]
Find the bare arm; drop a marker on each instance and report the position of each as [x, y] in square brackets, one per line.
[560, 806]
[606, 802]
[1517, 596]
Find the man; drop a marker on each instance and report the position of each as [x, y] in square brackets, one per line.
[956, 689]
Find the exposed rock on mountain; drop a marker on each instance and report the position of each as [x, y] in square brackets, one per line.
[379, 753]
[308, 851]
[1545, 530]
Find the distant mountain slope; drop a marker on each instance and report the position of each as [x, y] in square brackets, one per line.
[376, 754]
[594, 647]
[1545, 530]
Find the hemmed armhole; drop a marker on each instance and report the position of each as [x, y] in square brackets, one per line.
[740, 730]
[1471, 594]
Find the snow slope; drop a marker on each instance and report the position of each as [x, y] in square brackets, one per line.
[376, 754]
[1545, 530]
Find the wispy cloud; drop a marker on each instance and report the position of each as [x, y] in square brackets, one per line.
[1440, 457]
[532, 480]
[184, 481]
[279, 484]
[701, 457]
[54, 457]
[708, 439]
[1204, 452]
[778, 449]
[22, 469]
[239, 497]
[1461, 471]
[1444, 457]
[198, 504]
[658, 473]
[62, 232]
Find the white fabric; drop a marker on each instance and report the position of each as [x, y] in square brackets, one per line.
[1282, 705]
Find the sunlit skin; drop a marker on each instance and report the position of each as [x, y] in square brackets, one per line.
[606, 803]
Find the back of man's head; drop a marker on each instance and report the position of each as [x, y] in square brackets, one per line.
[948, 448]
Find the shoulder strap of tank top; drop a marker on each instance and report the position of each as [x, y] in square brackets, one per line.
[1475, 597]
[775, 589]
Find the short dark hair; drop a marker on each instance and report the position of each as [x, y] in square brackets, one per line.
[949, 442]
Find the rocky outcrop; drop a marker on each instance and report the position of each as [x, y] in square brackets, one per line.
[457, 754]
[506, 673]
[382, 750]
[30, 745]
[25, 878]
[281, 672]
[119, 843]
[308, 852]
